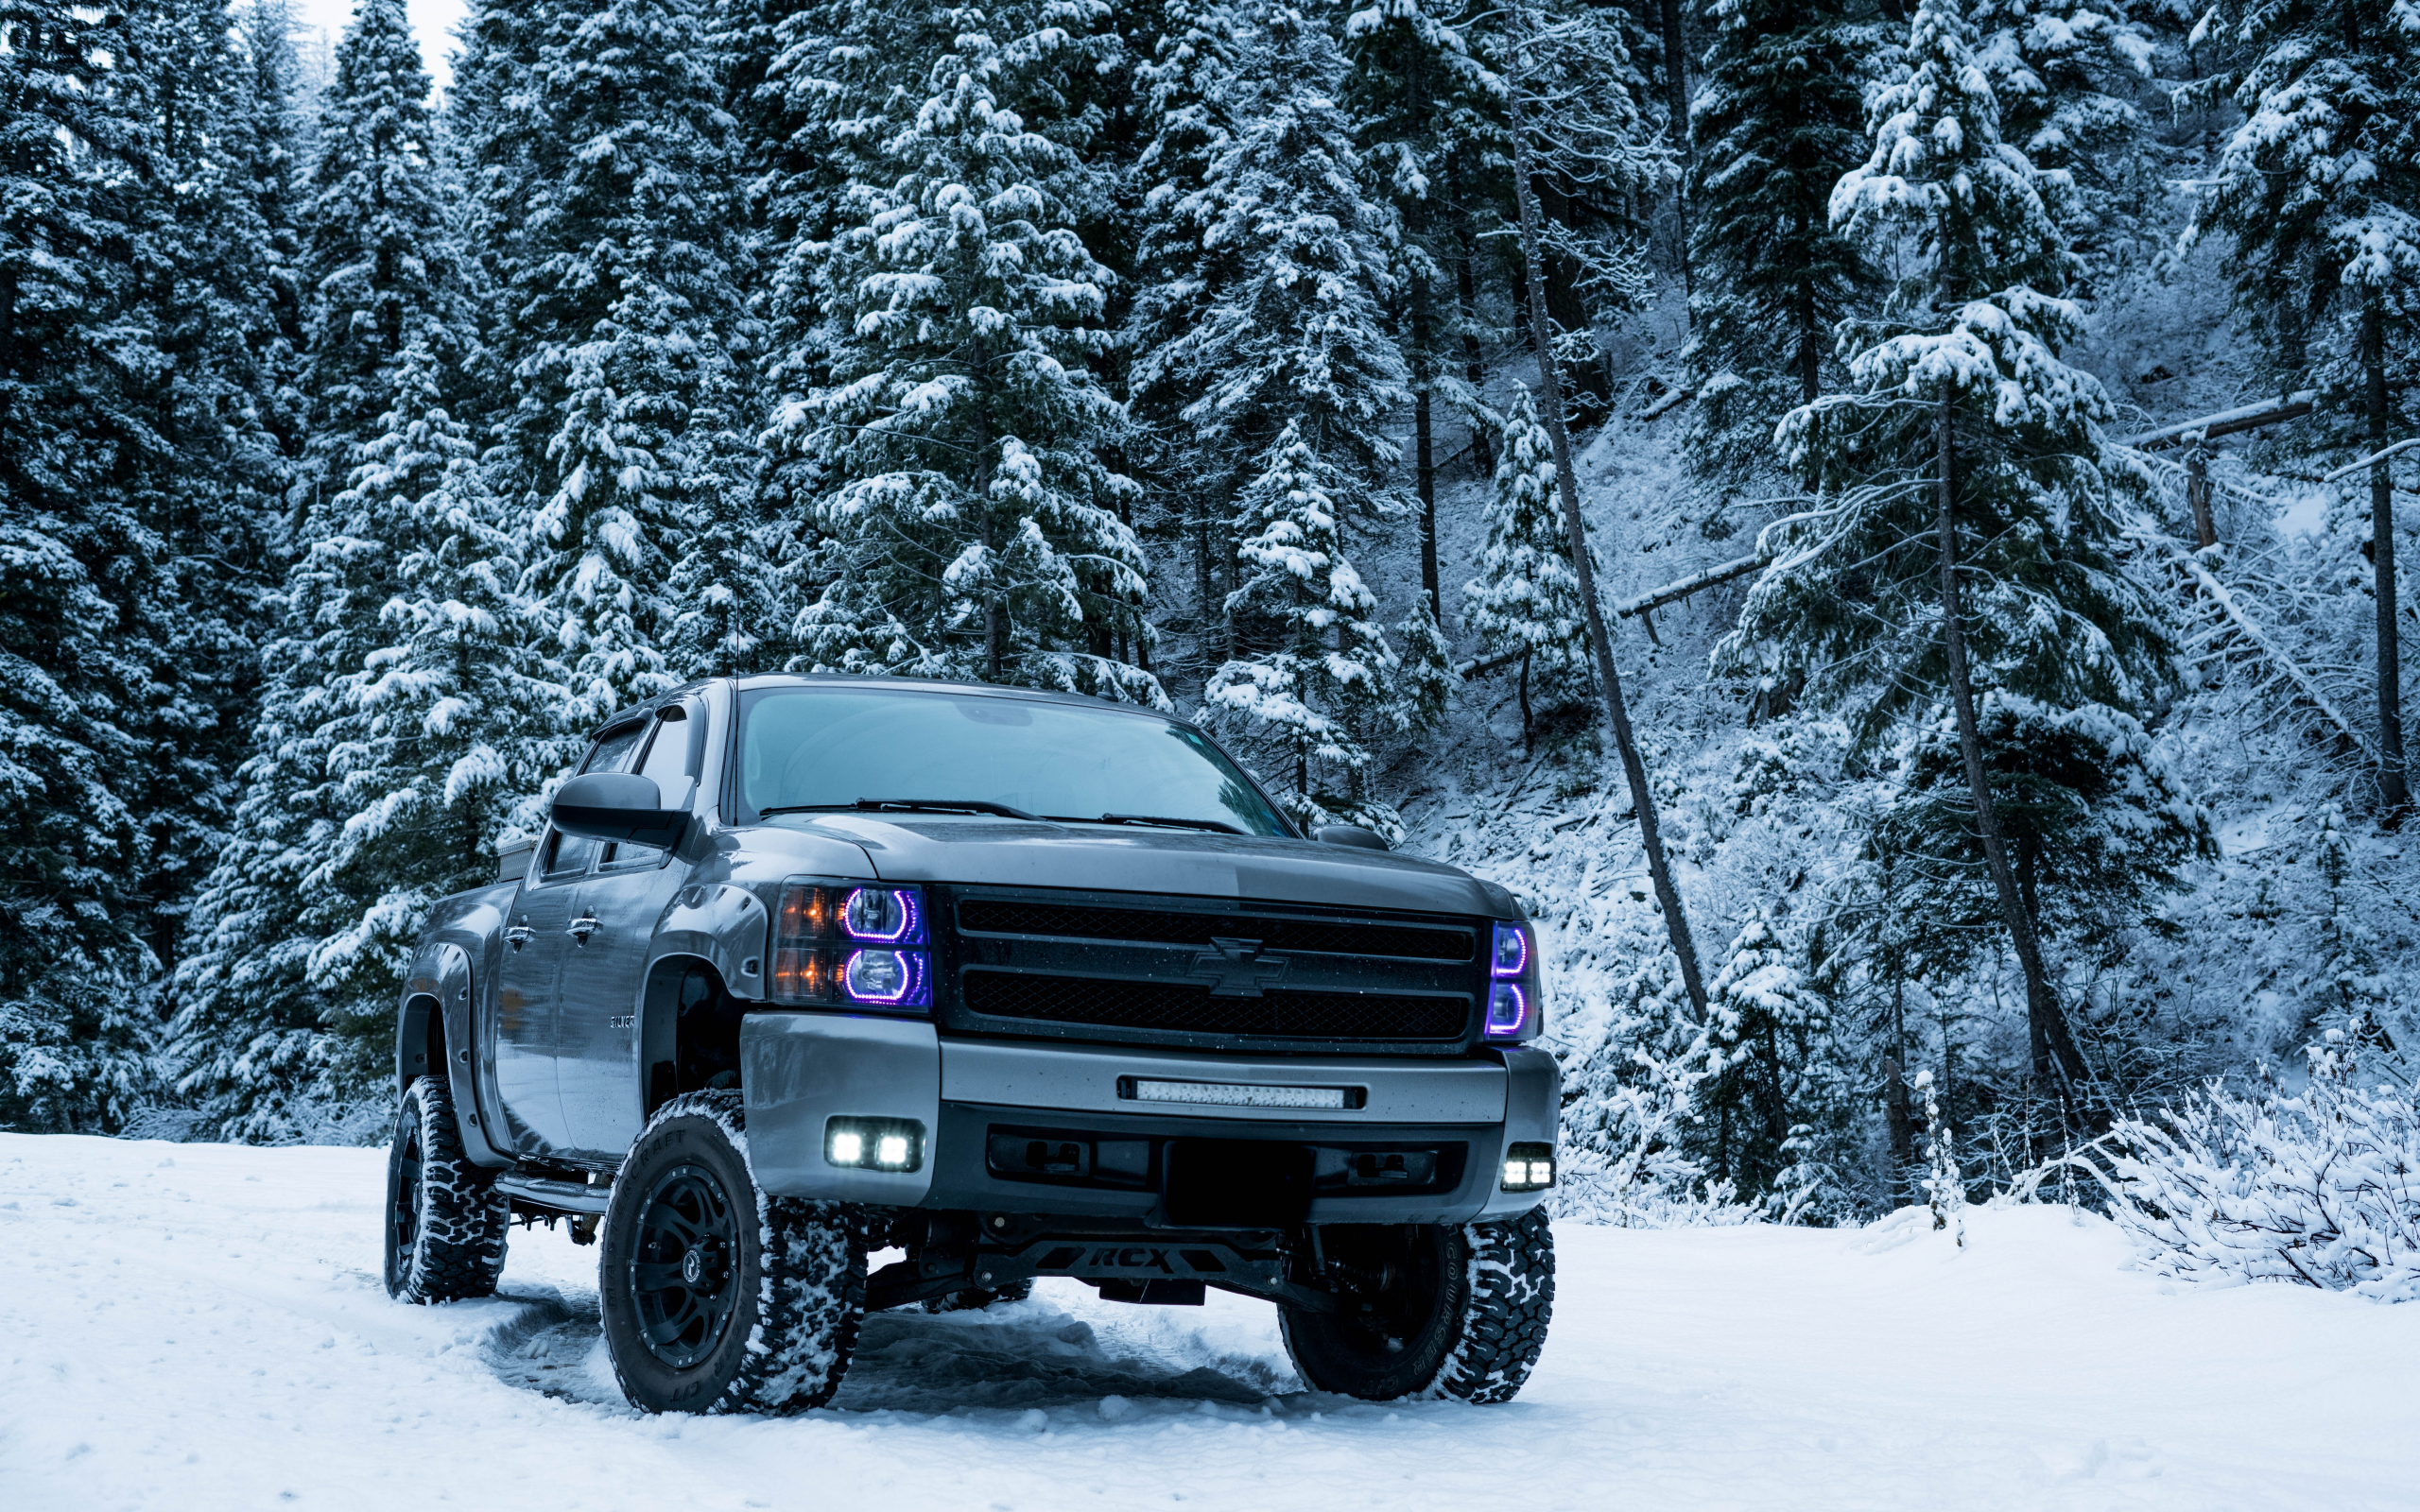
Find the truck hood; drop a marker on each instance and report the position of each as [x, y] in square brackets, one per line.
[1193, 862]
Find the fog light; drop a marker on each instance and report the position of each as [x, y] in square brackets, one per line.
[1528, 1167]
[874, 1143]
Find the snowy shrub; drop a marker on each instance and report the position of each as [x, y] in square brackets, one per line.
[2321, 1188]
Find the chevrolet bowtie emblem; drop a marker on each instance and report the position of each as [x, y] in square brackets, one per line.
[1237, 969]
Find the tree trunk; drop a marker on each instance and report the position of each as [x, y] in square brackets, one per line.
[1676, 82]
[1473, 360]
[2196, 498]
[1567, 483]
[1423, 455]
[2395, 796]
[2046, 1025]
[1898, 1113]
[1525, 704]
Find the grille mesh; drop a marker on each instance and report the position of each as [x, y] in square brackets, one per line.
[992, 915]
[1167, 1005]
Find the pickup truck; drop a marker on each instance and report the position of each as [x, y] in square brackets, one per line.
[806, 970]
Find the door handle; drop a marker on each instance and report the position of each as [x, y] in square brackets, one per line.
[519, 934]
[585, 925]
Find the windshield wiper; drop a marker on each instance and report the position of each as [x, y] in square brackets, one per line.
[943, 805]
[1220, 826]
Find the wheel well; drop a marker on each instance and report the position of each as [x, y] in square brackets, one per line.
[420, 1045]
[690, 1040]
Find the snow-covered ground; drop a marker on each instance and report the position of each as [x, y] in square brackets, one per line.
[197, 1326]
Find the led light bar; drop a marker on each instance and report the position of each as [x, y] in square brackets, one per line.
[1237, 1094]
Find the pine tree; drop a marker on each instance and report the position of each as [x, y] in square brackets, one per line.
[388, 325]
[1329, 681]
[1779, 118]
[380, 781]
[1774, 1113]
[74, 1035]
[1416, 94]
[975, 527]
[210, 479]
[2320, 187]
[380, 254]
[1525, 598]
[2062, 71]
[1967, 531]
[606, 219]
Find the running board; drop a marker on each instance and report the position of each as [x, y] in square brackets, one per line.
[553, 1195]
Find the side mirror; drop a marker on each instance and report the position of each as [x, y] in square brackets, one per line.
[618, 806]
[1352, 834]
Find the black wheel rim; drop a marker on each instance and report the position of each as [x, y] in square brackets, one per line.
[403, 1204]
[684, 1270]
[1393, 1279]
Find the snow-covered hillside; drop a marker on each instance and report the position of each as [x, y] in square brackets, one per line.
[200, 1327]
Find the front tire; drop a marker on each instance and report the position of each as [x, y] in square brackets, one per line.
[1437, 1311]
[718, 1297]
[446, 1223]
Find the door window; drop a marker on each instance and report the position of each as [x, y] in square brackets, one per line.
[568, 855]
[668, 763]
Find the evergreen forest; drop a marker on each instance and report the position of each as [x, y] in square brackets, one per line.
[1755, 477]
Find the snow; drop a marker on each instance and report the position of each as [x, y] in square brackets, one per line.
[197, 1326]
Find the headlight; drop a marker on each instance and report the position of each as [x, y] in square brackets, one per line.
[1516, 998]
[852, 945]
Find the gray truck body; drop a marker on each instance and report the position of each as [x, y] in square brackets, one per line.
[564, 1003]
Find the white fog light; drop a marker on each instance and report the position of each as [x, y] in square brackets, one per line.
[1528, 1167]
[888, 1144]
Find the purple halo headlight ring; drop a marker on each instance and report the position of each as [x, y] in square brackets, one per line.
[1511, 957]
[884, 978]
[890, 915]
[1508, 1010]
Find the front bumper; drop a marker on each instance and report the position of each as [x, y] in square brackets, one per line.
[800, 1070]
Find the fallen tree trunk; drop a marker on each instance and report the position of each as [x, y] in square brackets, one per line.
[1652, 599]
[2226, 422]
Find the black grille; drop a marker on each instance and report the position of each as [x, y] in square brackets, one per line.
[1169, 1006]
[993, 915]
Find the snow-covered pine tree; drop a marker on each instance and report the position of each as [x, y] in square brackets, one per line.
[1181, 89]
[381, 257]
[2064, 73]
[1780, 116]
[75, 1037]
[2320, 188]
[2098, 824]
[274, 117]
[1294, 268]
[1329, 681]
[1966, 532]
[1526, 598]
[975, 529]
[208, 477]
[606, 222]
[388, 324]
[1775, 1117]
[1416, 94]
[382, 775]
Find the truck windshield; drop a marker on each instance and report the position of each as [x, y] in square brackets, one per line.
[834, 747]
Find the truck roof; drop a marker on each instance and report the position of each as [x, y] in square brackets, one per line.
[814, 679]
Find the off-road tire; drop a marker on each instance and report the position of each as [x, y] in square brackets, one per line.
[792, 1288]
[1470, 1308]
[446, 1223]
[976, 1298]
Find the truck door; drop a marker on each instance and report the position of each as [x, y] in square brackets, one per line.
[597, 1064]
[538, 935]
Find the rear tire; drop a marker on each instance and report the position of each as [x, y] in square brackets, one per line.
[446, 1223]
[717, 1296]
[1447, 1312]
